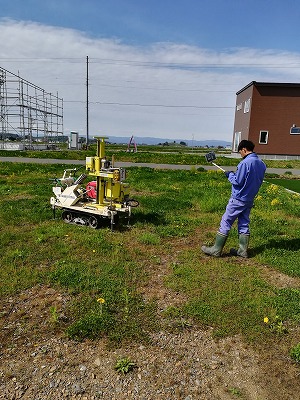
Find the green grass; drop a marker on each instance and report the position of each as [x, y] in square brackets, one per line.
[232, 299]
[291, 184]
[179, 210]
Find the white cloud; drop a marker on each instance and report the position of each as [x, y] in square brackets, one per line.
[165, 90]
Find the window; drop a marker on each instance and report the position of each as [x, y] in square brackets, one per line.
[236, 141]
[295, 130]
[247, 106]
[263, 137]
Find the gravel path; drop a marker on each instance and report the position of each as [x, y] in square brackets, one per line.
[279, 171]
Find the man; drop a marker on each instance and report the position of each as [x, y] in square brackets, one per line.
[245, 182]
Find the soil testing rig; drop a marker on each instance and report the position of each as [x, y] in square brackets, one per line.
[100, 200]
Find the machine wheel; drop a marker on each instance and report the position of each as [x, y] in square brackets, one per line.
[93, 222]
[67, 216]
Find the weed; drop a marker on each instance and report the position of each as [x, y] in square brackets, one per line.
[295, 353]
[278, 326]
[235, 392]
[176, 318]
[101, 301]
[124, 365]
[182, 323]
[54, 316]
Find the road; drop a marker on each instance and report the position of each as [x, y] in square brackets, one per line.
[279, 171]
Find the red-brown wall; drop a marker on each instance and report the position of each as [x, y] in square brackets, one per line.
[274, 108]
[242, 119]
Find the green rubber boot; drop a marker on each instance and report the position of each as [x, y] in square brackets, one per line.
[217, 248]
[242, 251]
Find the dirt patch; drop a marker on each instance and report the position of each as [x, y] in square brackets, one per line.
[154, 289]
[278, 279]
[39, 362]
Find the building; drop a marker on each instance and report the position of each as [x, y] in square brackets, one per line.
[268, 114]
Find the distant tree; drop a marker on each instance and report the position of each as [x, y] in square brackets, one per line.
[182, 143]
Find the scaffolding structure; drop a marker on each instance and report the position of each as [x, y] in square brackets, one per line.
[27, 112]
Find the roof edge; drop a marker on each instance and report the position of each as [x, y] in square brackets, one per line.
[274, 84]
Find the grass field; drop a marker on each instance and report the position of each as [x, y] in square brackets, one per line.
[105, 273]
[150, 154]
[290, 184]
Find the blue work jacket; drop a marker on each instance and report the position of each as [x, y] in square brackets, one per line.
[248, 178]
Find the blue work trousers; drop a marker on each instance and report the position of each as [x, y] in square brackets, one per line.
[239, 210]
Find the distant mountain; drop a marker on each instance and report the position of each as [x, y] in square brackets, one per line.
[155, 141]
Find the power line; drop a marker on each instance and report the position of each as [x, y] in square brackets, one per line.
[165, 89]
[158, 105]
[150, 105]
[156, 64]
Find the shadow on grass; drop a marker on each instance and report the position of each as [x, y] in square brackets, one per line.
[286, 244]
[154, 218]
[121, 222]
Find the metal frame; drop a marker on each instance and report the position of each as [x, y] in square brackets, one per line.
[28, 111]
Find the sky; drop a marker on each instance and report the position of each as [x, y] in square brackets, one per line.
[157, 68]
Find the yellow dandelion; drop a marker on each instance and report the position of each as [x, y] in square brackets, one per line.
[273, 188]
[274, 202]
[266, 320]
[101, 300]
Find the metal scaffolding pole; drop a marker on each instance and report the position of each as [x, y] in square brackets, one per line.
[28, 112]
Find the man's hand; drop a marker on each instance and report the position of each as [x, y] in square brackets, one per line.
[227, 173]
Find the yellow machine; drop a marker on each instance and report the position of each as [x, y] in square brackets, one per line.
[105, 198]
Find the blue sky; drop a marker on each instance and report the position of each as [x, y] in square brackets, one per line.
[165, 68]
[217, 24]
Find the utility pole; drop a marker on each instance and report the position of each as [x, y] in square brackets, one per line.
[87, 101]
